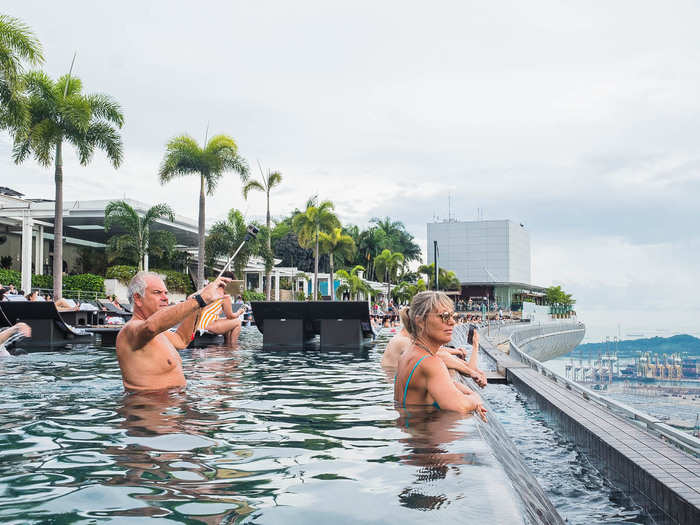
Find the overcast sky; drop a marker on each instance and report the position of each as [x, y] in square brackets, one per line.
[579, 119]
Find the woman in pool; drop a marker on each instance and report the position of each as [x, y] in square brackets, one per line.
[422, 377]
[402, 341]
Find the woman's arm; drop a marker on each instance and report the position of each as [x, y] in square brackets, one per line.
[462, 367]
[443, 390]
[474, 358]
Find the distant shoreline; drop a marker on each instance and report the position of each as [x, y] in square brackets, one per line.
[684, 344]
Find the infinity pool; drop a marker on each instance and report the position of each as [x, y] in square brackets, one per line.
[261, 436]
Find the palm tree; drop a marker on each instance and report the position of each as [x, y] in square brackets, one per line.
[225, 236]
[397, 239]
[371, 243]
[17, 44]
[139, 238]
[183, 156]
[339, 244]
[447, 279]
[353, 282]
[387, 263]
[273, 178]
[308, 224]
[59, 112]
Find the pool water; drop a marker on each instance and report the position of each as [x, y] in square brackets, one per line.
[257, 437]
[264, 436]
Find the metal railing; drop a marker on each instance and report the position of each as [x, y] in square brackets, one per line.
[80, 295]
[654, 425]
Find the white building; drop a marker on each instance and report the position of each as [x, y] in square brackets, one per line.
[490, 258]
[482, 251]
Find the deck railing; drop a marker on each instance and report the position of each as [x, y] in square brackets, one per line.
[654, 425]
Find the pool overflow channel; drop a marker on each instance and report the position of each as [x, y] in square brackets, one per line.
[654, 464]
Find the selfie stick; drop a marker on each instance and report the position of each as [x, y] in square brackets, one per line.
[251, 233]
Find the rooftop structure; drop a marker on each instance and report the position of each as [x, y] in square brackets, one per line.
[491, 259]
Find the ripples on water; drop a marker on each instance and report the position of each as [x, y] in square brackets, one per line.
[257, 436]
[261, 437]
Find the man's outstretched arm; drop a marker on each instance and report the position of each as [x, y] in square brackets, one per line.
[139, 332]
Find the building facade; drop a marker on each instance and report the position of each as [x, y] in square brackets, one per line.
[491, 259]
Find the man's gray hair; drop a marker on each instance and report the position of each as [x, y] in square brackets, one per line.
[138, 285]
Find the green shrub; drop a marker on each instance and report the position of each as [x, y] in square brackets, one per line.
[121, 272]
[42, 281]
[176, 281]
[250, 295]
[87, 282]
[10, 277]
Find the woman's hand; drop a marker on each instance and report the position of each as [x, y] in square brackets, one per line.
[479, 408]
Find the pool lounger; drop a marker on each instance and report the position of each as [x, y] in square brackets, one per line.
[49, 328]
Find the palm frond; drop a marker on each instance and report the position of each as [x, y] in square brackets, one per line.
[274, 179]
[75, 111]
[105, 137]
[121, 213]
[43, 138]
[183, 156]
[252, 185]
[16, 36]
[38, 83]
[159, 211]
[75, 86]
[105, 107]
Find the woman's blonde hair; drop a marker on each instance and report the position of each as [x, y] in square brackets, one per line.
[423, 303]
[403, 316]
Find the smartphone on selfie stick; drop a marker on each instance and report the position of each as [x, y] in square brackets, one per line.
[251, 233]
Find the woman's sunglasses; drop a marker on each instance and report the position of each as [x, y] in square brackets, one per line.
[445, 317]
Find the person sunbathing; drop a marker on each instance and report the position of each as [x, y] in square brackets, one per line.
[422, 377]
[451, 356]
[65, 305]
[147, 352]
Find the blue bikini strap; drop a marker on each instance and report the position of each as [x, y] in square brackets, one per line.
[405, 390]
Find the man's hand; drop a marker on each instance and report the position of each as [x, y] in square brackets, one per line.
[214, 290]
[24, 329]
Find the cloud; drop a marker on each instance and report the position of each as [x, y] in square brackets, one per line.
[578, 120]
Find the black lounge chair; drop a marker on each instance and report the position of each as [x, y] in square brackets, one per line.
[339, 323]
[113, 310]
[48, 326]
[4, 321]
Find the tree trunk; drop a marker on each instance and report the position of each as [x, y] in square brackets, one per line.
[315, 294]
[143, 265]
[268, 274]
[332, 281]
[200, 262]
[58, 227]
[388, 288]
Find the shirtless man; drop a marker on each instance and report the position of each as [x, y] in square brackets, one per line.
[146, 350]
